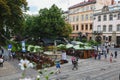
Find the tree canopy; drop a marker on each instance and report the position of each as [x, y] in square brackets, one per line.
[11, 15]
[49, 23]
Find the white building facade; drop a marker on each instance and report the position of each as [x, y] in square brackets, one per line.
[107, 24]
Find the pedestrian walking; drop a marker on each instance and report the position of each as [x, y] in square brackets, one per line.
[58, 67]
[10, 55]
[99, 56]
[111, 56]
[107, 50]
[95, 54]
[115, 54]
[105, 56]
[74, 63]
[73, 59]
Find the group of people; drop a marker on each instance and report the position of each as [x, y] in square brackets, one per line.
[111, 56]
[74, 61]
[105, 52]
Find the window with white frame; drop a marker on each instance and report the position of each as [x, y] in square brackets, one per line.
[90, 26]
[77, 18]
[82, 8]
[87, 8]
[73, 18]
[118, 16]
[86, 16]
[91, 7]
[73, 27]
[86, 27]
[110, 28]
[104, 28]
[91, 16]
[82, 17]
[99, 28]
[105, 17]
[99, 18]
[118, 27]
[82, 27]
[77, 27]
[110, 17]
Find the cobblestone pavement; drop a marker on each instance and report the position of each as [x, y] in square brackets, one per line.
[88, 69]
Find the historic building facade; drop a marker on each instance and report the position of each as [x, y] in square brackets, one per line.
[107, 22]
[81, 17]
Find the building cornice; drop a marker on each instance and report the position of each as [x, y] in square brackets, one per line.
[109, 12]
[83, 4]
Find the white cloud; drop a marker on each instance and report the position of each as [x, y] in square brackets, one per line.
[36, 5]
[40, 4]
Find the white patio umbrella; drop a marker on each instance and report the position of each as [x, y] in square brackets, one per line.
[69, 46]
[29, 47]
[77, 47]
[76, 42]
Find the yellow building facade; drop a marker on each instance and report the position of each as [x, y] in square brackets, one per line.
[81, 18]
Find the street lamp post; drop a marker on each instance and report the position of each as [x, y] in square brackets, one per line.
[98, 37]
[80, 36]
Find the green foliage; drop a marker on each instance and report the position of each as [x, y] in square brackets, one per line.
[81, 45]
[63, 47]
[77, 39]
[66, 30]
[84, 40]
[93, 43]
[11, 16]
[15, 46]
[31, 49]
[49, 23]
[44, 73]
[50, 48]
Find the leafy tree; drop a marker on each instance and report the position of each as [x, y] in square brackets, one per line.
[11, 14]
[48, 24]
[51, 21]
[66, 30]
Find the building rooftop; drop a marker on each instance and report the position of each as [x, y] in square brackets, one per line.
[83, 3]
[108, 9]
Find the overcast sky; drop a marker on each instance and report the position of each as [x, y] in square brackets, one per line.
[36, 5]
